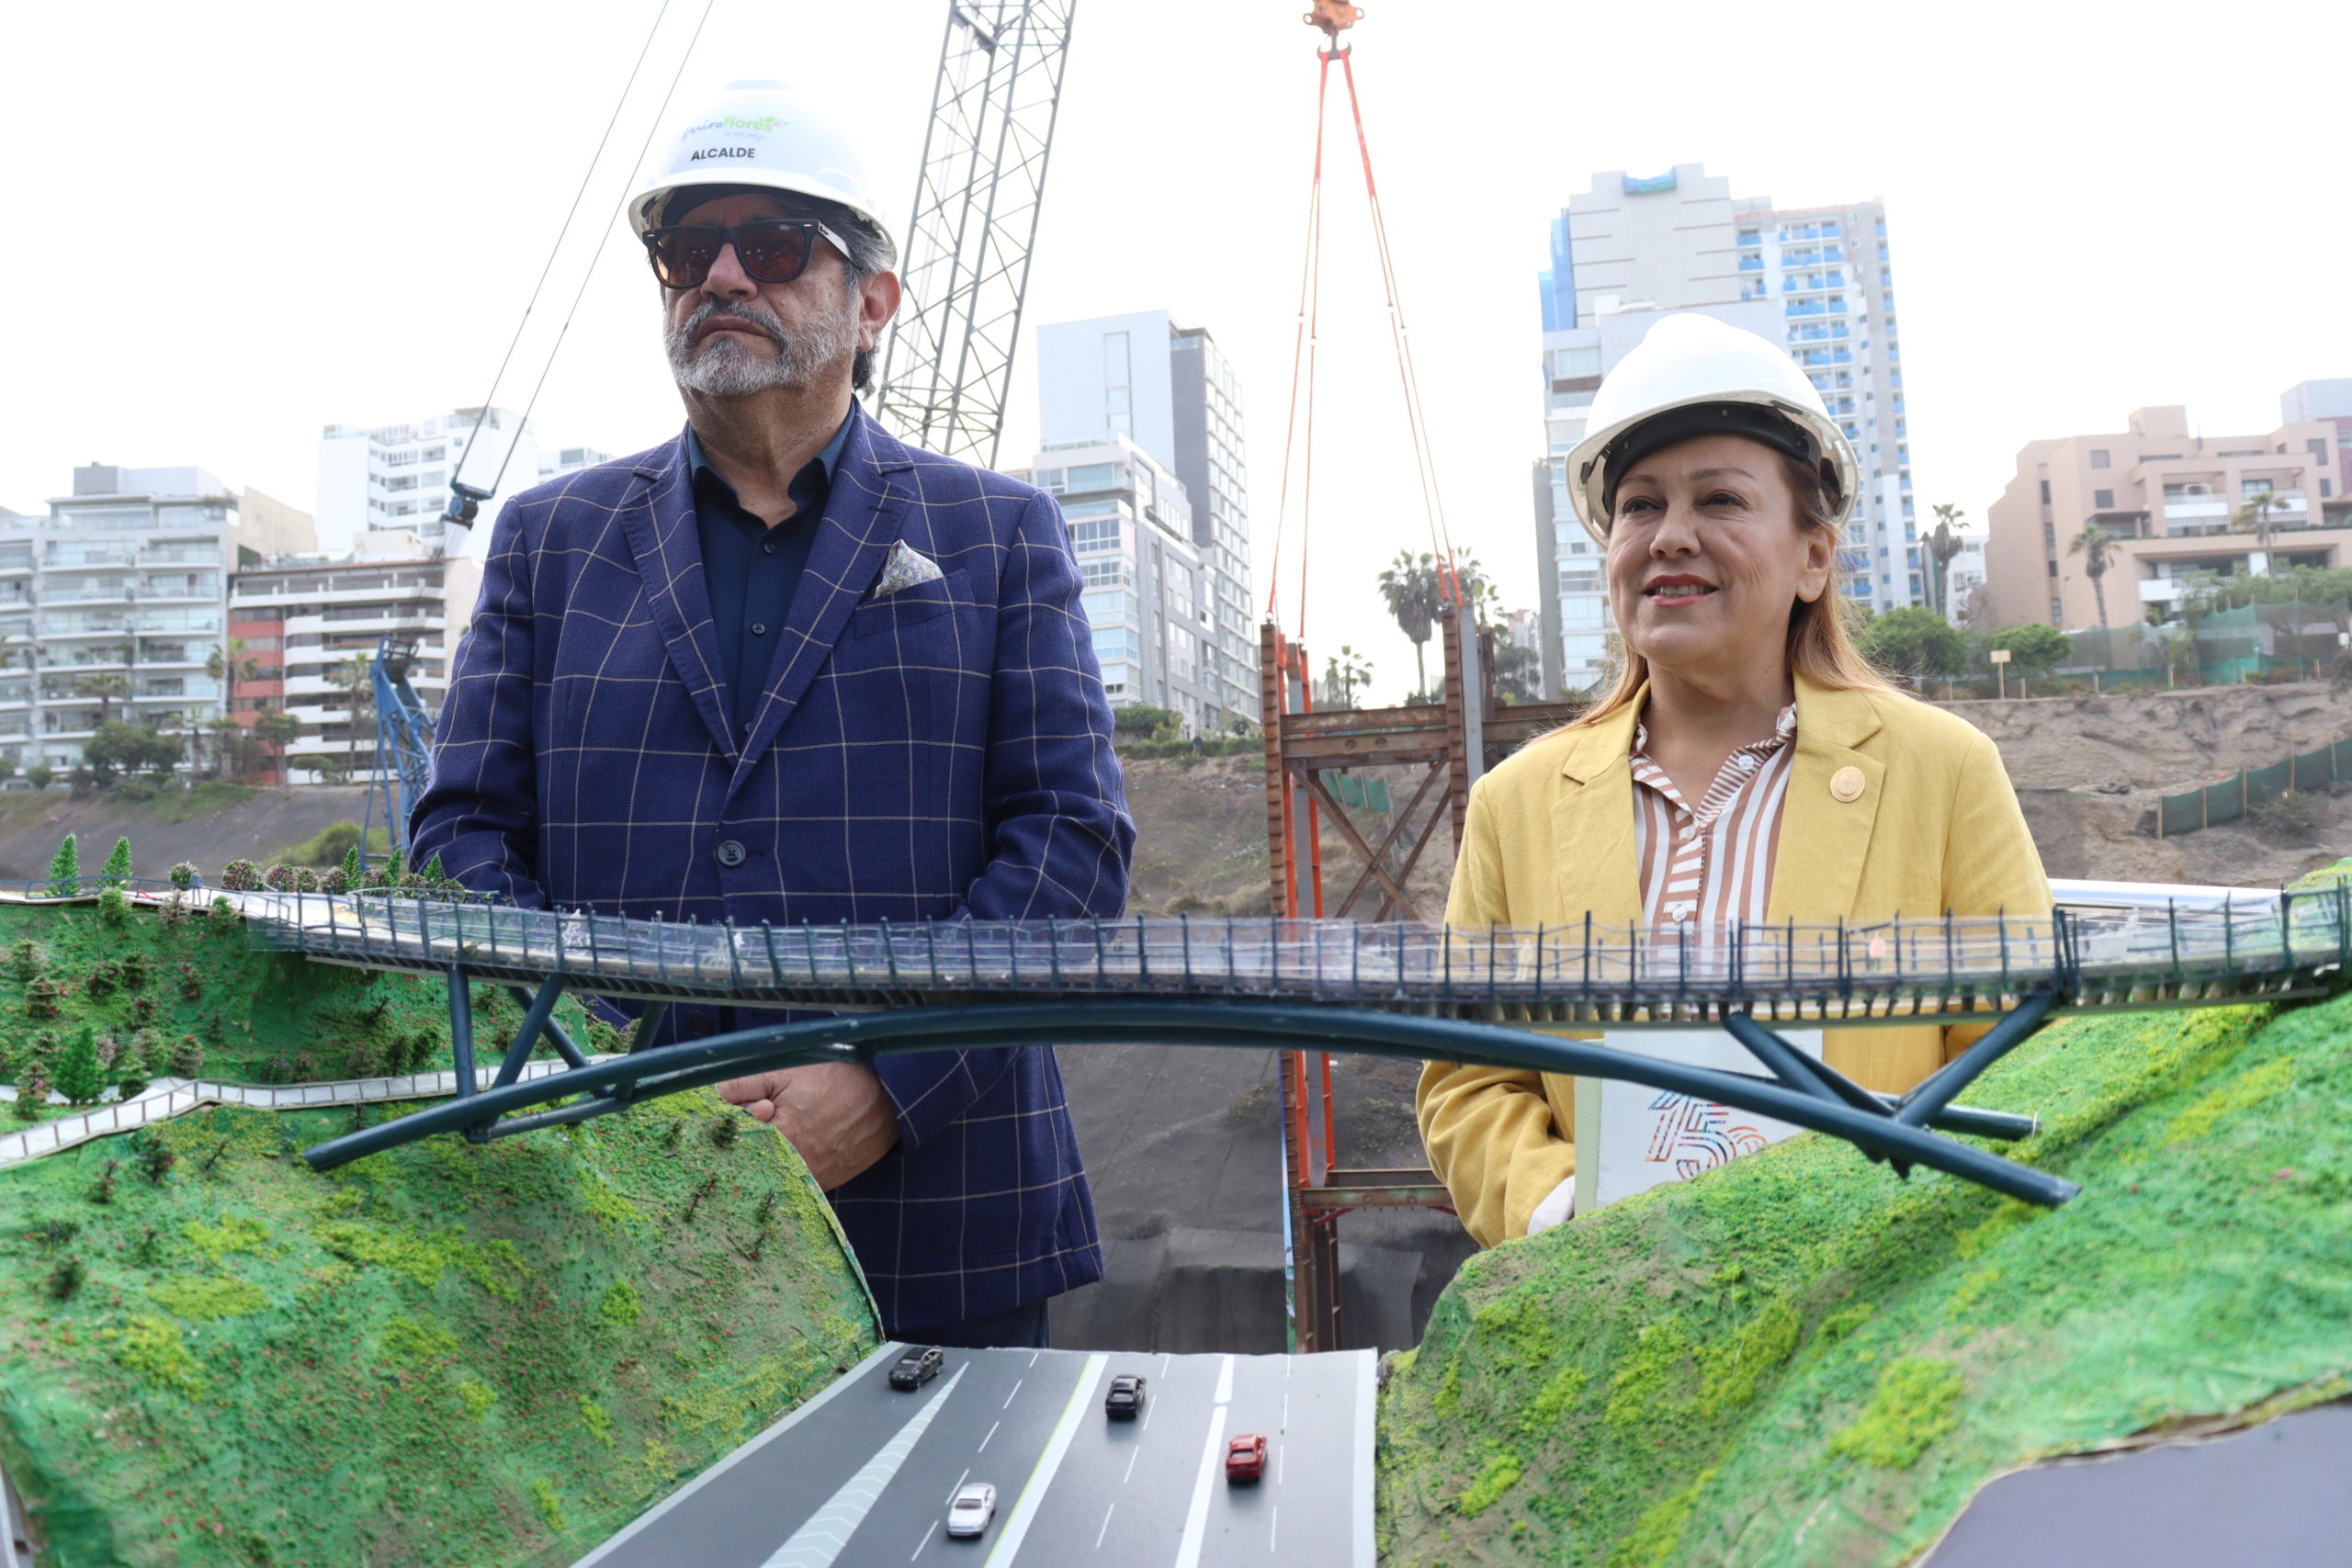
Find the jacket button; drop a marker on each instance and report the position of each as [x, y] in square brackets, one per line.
[699, 1026]
[731, 854]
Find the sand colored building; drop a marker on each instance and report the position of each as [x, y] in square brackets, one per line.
[2177, 504]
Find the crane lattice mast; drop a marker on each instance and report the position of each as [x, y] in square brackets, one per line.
[948, 366]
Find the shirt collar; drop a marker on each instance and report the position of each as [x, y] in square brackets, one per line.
[1785, 729]
[829, 459]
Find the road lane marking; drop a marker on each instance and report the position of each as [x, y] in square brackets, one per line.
[1163, 1364]
[1033, 1491]
[1273, 1522]
[1225, 1382]
[1148, 1407]
[1106, 1527]
[1285, 1426]
[1008, 1398]
[886, 1350]
[1196, 1518]
[959, 1485]
[820, 1540]
[984, 1441]
[929, 1530]
[1280, 1449]
[1131, 1465]
[1033, 1356]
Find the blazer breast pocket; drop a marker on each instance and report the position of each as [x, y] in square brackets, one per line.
[909, 606]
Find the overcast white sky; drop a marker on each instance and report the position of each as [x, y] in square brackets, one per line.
[232, 224]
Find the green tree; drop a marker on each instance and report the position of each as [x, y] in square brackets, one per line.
[2255, 514]
[109, 686]
[65, 870]
[80, 1077]
[277, 730]
[2096, 546]
[1344, 674]
[353, 873]
[1942, 543]
[2033, 647]
[117, 748]
[225, 666]
[1141, 721]
[1409, 586]
[1915, 641]
[117, 872]
[40, 775]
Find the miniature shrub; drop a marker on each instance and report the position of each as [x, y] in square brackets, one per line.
[32, 1093]
[354, 874]
[224, 915]
[476, 1396]
[1912, 1408]
[143, 1010]
[29, 958]
[66, 1278]
[184, 874]
[550, 1508]
[155, 1159]
[597, 1420]
[725, 1129]
[414, 1344]
[334, 881]
[620, 1304]
[241, 876]
[235, 1233]
[279, 878]
[116, 871]
[114, 908]
[109, 1049]
[134, 970]
[202, 1300]
[80, 1079]
[187, 1056]
[101, 981]
[65, 871]
[191, 984]
[41, 997]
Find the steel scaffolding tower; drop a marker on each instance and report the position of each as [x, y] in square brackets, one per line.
[948, 366]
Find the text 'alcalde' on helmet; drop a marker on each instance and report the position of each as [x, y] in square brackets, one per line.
[761, 134]
[1693, 375]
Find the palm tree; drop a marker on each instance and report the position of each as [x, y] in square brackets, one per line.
[224, 665]
[1410, 588]
[1942, 544]
[2096, 546]
[108, 686]
[1342, 674]
[2255, 513]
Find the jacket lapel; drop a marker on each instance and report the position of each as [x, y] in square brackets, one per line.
[863, 518]
[1832, 837]
[1592, 823]
[658, 521]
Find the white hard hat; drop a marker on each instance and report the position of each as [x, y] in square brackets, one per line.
[1732, 381]
[759, 133]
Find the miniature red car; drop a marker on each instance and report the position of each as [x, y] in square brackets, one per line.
[1244, 1458]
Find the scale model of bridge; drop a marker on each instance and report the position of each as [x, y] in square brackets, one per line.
[1509, 997]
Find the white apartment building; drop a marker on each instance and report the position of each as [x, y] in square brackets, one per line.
[1169, 391]
[113, 603]
[1148, 592]
[398, 476]
[1819, 280]
[306, 618]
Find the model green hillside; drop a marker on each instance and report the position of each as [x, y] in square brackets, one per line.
[448, 1354]
[1800, 1360]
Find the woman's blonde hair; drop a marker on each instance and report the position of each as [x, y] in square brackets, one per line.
[1819, 647]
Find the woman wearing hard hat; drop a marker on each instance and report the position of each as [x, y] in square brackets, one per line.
[1748, 766]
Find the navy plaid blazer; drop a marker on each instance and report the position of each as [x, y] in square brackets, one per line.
[940, 751]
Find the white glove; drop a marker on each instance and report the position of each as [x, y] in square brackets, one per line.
[1559, 1206]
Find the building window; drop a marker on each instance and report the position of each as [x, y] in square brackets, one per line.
[2099, 457]
[2103, 499]
[2052, 566]
[2045, 492]
[1118, 382]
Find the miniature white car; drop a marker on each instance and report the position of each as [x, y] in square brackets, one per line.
[973, 1508]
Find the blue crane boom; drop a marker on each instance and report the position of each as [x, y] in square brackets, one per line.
[404, 746]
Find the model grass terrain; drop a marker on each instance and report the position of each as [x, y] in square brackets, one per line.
[1799, 1359]
[448, 1354]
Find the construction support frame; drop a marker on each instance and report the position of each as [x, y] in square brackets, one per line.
[1451, 744]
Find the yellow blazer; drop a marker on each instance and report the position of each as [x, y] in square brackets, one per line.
[1550, 835]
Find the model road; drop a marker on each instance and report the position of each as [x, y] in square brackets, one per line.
[861, 1475]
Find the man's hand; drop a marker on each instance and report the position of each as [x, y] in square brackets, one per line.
[836, 1113]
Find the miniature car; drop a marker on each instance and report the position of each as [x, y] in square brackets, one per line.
[917, 1367]
[1244, 1458]
[1125, 1402]
[973, 1508]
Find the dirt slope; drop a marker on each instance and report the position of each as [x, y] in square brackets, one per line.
[257, 825]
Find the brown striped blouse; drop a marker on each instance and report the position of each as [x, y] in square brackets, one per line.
[1707, 868]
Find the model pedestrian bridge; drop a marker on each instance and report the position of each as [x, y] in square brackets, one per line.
[1509, 997]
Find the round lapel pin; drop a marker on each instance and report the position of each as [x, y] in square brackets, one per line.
[1845, 784]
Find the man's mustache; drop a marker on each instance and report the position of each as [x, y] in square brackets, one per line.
[757, 316]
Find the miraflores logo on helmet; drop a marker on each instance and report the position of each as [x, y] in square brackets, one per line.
[760, 134]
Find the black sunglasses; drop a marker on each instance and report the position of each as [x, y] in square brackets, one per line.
[770, 250]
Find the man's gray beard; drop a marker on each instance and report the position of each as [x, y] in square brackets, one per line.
[726, 366]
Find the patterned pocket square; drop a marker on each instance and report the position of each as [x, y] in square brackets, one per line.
[904, 570]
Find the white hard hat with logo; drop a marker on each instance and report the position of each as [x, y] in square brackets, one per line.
[1706, 376]
[759, 133]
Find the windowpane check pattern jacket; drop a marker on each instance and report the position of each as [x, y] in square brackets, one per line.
[925, 752]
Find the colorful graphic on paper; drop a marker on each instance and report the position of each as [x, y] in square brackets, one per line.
[1692, 1134]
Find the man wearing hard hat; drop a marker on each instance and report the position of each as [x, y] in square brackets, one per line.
[784, 668]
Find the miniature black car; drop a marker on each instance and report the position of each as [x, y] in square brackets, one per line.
[1125, 1402]
[917, 1367]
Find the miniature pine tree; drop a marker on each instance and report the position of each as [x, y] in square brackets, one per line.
[187, 1056]
[117, 872]
[354, 874]
[32, 1093]
[65, 870]
[80, 1079]
[433, 875]
[30, 959]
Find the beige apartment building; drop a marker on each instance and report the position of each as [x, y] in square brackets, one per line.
[2173, 502]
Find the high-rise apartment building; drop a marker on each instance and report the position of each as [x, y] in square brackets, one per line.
[2178, 504]
[1819, 280]
[397, 476]
[113, 603]
[1169, 391]
[1146, 594]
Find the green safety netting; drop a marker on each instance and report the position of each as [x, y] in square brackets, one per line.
[2241, 793]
